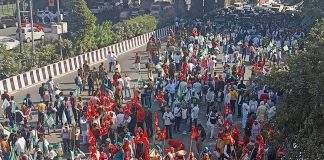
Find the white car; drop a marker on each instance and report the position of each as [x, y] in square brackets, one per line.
[8, 42]
[27, 34]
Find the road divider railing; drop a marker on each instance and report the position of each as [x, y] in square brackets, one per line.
[67, 66]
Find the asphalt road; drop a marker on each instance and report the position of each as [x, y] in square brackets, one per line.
[126, 60]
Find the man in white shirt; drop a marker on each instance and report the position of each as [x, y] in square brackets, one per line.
[168, 118]
[122, 120]
[127, 84]
[50, 87]
[253, 106]
[171, 89]
[111, 58]
[177, 60]
[177, 115]
[20, 145]
[194, 115]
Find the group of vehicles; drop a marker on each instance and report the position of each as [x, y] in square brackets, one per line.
[26, 32]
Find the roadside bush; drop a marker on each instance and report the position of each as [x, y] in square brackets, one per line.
[8, 62]
[134, 27]
[46, 54]
[104, 35]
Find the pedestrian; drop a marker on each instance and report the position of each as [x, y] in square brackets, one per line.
[233, 99]
[137, 63]
[150, 67]
[127, 84]
[256, 129]
[84, 125]
[78, 82]
[201, 138]
[75, 135]
[168, 120]
[194, 115]
[90, 85]
[41, 107]
[5, 148]
[210, 98]
[211, 123]
[66, 135]
[50, 87]
[111, 59]
[178, 116]
[41, 90]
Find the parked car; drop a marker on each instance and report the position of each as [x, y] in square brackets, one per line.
[37, 26]
[8, 42]
[27, 34]
[7, 21]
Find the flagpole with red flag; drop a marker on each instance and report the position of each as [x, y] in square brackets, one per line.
[194, 136]
[163, 136]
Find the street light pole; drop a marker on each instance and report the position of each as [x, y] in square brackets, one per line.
[203, 7]
[21, 48]
[59, 20]
[32, 27]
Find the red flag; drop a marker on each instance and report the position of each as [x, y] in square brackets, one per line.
[145, 140]
[93, 151]
[163, 134]
[156, 120]
[227, 125]
[228, 138]
[128, 109]
[227, 109]
[195, 133]
[104, 131]
[260, 139]
[260, 152]
[102, 96]
[236, 129]
[92, 139]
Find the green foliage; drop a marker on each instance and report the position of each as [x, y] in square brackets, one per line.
[81, 24]
[312, 10]
[67, 48]
[8, 62]
[104, 35]
[303, 100]
[136, 26]
[46, 55]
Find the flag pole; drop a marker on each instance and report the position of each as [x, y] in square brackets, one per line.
[163, 144]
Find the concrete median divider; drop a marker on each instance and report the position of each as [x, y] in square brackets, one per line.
[67, 66]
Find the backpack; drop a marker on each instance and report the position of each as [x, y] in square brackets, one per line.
[213, 118]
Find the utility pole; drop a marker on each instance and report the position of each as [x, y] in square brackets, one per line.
[59, 20]
[32, 28]
[203, 7]
[21, 48]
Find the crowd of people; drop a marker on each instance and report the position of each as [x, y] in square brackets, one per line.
[200, 75]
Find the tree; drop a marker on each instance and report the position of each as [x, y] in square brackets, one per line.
[81, 25]
[311, 10]
[300, 115]
[104, 34]
[46, 54]
[8, 62]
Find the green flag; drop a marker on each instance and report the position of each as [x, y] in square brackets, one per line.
[13, 155]
[50, 120]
